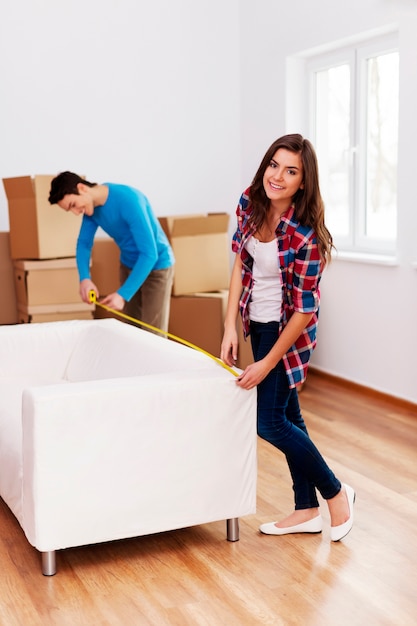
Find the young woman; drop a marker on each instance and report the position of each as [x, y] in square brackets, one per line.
[282, 246]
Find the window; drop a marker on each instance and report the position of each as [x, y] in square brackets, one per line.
[354, 126]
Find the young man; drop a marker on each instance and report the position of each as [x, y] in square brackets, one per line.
[146, 258]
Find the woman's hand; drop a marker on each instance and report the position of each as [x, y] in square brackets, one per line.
[254, 374]
[230, 343]
[229, 347]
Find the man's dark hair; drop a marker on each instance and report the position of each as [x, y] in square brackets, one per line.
[66, 183]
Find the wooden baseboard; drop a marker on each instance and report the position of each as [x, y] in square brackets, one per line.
[368, 391]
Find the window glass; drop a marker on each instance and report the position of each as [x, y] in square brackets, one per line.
[333, 143]
[355, 105]
[382, 147]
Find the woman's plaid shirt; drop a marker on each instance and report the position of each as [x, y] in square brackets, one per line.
[301, 268]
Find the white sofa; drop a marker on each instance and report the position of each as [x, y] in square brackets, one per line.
[108, 431]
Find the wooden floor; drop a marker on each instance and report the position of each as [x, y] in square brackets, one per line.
[195, 577]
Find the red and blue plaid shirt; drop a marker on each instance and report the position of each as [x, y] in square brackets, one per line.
[301, 268]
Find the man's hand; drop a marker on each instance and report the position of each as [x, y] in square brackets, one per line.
[114, 301]
[86, 286]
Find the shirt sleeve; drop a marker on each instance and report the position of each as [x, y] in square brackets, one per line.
[84, 246]
[307, 272]
[140, 226]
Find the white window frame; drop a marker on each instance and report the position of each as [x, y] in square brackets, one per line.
[355, 55]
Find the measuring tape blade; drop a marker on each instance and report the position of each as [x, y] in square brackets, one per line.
[93, 300]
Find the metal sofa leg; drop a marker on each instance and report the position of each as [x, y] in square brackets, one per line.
[49, 563]
[233, 529]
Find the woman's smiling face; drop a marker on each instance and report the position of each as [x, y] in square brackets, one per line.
[283, 177]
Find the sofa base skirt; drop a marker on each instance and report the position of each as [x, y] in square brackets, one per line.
[49, 567]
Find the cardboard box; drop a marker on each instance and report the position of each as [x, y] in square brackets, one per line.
[201, 247]
[105, 265]
[38, 230]
[101, 314]
[54, 313]
[199, 319]
[8, 307]
[47, 282]
[35, 318]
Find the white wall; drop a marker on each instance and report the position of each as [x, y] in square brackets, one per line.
[145, 93]
[367, 330]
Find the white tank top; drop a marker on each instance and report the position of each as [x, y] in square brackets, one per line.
[266, 297]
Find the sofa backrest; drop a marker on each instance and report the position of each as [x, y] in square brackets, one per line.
[113, 349]
[38, 351]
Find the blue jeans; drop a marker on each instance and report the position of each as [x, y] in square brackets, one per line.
[280, 423]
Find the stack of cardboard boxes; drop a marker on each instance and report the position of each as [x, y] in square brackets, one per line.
[42, 247]
[202, 272]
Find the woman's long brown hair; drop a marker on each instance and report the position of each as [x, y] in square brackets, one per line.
[309, 205]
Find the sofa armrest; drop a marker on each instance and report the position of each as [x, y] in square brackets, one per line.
[118, 458]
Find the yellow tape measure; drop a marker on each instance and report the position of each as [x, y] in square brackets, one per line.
[93, 300]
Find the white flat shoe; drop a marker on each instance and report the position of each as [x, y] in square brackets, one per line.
[314, 525]
[338, 532]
